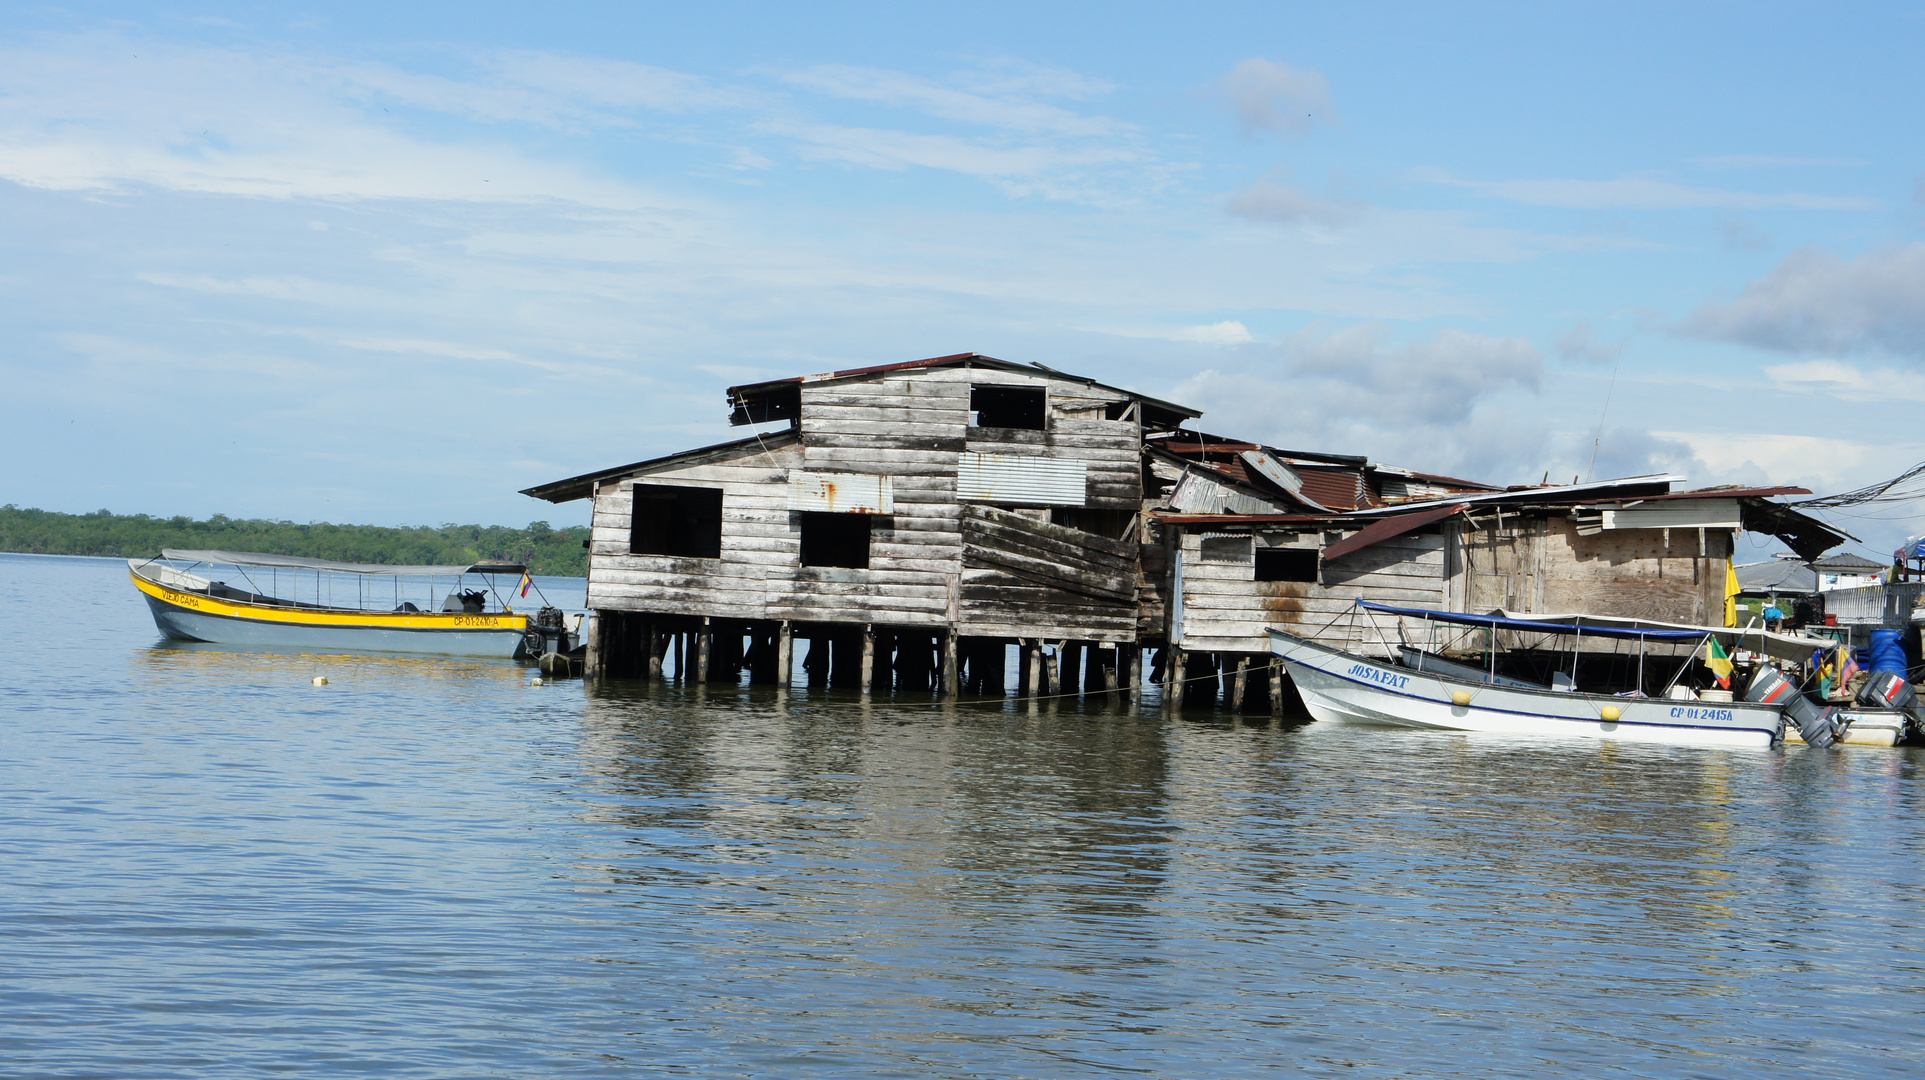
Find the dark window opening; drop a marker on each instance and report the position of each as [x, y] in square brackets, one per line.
[1009, 406]
[836, 539]
[677, 521]
[1109, 524]
[1286, 564]
[1119, 410]
[781, 403]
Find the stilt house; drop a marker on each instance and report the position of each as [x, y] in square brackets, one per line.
[905, 519]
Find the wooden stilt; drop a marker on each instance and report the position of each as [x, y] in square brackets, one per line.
[702, 646]
[1176, 669]
[784, 655]
[656, 646]
[1276, 687]
[1034, 673]
[868, 658]
[1237, 687]
[951, 684]
[593, 660]
[1134, 684]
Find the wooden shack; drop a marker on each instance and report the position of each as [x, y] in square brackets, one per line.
[910, 522]
[1629, 547]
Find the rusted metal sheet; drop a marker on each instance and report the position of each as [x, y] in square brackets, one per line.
[841, 493]
[1379, 531]
[1267, 466]
[1022, 478]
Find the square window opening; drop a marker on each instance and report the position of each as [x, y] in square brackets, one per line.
[836, 539]
[1286, 564]
[1010, 406]
[685, 522]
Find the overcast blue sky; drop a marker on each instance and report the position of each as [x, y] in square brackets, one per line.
[390, 263]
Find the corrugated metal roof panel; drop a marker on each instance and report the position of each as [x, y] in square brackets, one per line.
[841, 493]
[1022, 478]
[1333, 488]
[1197, 493]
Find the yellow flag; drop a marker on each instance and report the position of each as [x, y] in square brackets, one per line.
[1730, 594]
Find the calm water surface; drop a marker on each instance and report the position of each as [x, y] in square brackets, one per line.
[211, 868]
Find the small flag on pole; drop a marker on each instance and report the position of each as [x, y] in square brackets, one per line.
[1716, 659]
[526, 582]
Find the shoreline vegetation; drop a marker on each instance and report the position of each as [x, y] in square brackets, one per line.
[546, 550]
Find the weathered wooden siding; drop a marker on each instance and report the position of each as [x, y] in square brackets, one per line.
[1225, 609]
[1545, 566]
[1027, 578]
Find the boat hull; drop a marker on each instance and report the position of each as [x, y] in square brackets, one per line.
[1865, 727]
[186, 616]
[1337, 686]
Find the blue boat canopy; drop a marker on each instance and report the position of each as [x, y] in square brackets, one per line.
[1537, 626]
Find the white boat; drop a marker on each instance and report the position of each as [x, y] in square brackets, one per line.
[1340, 686]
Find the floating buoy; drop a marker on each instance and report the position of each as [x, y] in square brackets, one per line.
[320, 680]
[536, 681]
[1460, 697]
[1611, 714]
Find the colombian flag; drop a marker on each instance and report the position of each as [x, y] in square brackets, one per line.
[526, 582]
[1719, 662]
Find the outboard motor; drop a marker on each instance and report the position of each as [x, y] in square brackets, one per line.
[1887, 690]
[1770, 687]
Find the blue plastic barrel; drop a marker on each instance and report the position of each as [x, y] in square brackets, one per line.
[1888, 651]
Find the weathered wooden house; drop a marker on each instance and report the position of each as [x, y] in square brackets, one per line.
[909, 521]
[913, 522]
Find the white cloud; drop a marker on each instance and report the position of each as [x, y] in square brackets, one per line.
[1816, 302]
[1639, 193]
[1837, 379]
[1006, 111]
[1274, 199]
[1580, 343]
[1229, 332]
[1277, 98]
[1433, 405]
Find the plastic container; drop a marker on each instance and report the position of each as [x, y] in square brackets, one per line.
[1888, 651]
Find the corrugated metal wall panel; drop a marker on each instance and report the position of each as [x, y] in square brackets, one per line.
[1021, 478]
[841, 493]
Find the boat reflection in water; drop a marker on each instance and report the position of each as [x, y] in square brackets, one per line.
[419, 609]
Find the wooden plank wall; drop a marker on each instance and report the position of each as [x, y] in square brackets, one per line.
[1028, 578]
[912, 427]
[1225, 609]
[1544, 566]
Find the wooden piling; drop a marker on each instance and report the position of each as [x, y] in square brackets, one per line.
[1033, 673]
[868, 658]
[951, 672]
[784, 655]
[1237, 686]
[656, 645]
[593, 660]
[702, 647]
[1276, 687]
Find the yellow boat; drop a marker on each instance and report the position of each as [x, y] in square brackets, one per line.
[189, 605]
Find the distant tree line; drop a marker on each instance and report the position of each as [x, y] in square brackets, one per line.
[546, 550]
